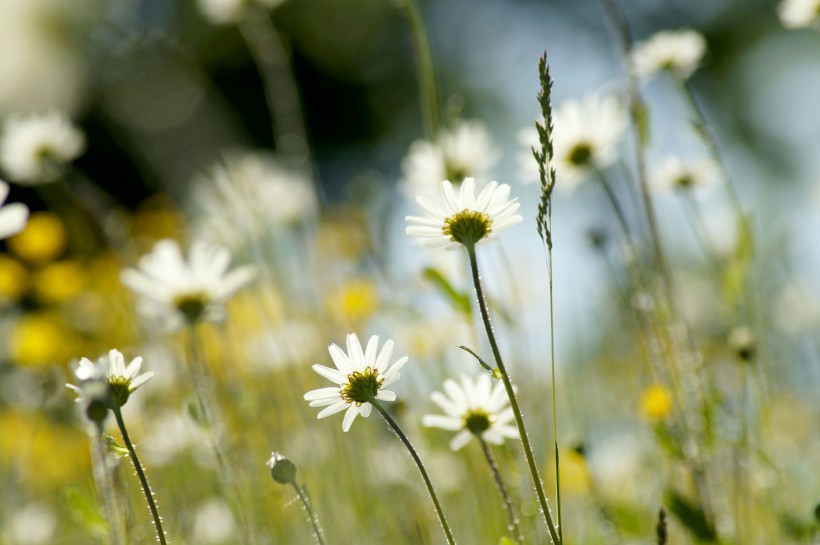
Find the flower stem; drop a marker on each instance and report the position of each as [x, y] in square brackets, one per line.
[395, 427]
[102, 480]
[502, 489]
[505, 377]
[146, 488]
[424, 67]
[314, 521]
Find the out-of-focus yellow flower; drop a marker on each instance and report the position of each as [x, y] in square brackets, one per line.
[157, 218]
[14, 279]
[355, 301]
[656, 403]
[256, 308]
[43, 239]
[40, 339]
[343, 233]
[574, 473]
[59, 281]
[48, 455]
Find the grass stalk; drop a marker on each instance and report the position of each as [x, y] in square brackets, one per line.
[509, 510]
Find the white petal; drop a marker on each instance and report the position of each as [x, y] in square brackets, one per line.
[386, 395]
[444, 422]
[350, 416]
[461, 439]
[337, 407]
[330, 374]
[321, 393]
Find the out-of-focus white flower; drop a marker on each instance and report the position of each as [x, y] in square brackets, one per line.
[247, 194]
[231, 11]
[673, 173]
[527, 165]
[32, 524]
[214, 523]
[361, 377]
[464, 218]
[679, 51]
[178, 292]
[13, 216]
[35, 148]
[467, 151]
[474, 407]
[280, 347]
[586, 136]
[799, 13]
[797, 308]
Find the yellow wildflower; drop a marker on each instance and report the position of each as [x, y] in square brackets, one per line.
[59, 281]
[40, 339]
[13, 279]
[355, 301]
[43, 239]
[656, 403]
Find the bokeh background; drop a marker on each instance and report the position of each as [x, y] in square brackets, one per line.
[163, 94]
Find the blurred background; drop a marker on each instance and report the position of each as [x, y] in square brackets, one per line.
[173, 95]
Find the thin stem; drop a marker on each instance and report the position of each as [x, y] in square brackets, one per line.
[519, 420]
[395, 427]
[512, 519]
[102, 480]
[424, 67]
[146, 488]
[554, 396]
[314, 521]
[616, 206]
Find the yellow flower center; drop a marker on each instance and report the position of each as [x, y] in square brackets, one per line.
[467, 226]
[361, 386]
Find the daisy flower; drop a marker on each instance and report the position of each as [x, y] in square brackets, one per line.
[799, 13]
[586, 136]
[467, 151]
[34, 149]
[110, 370]
[361, 376]
[672, 173]
[180, 292]
[464, 218]
[678, 51]
[473, 408]
[13, 216]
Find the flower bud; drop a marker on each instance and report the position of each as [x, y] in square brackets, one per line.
[282, 470]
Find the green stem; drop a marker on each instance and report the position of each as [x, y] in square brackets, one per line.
[102, 480]
[424, 67]
[395, 427]
[512, 519]
[553, 392]
[314, 521]
[616, 206]
[519, 420]
[146, 488]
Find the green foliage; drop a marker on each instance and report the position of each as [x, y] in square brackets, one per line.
[83, 510]
[459, 300]
[691, 516]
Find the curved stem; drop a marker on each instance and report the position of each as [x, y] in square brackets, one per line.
[314, 521]
[519, 420]
[146, 488]
[502, 489]
[395, 427]
[424, 67]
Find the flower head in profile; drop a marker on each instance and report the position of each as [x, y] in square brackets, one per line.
[464, 218]
[108, 379]
[799, 13]
[179, 291]
[677, 51]
[473, 408]
[466, 151]
[586, 136]
[13, 216]
[361, 377]
[34, 149]
[672, 173]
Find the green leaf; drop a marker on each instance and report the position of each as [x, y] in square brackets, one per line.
[642, 121]
[691, 516]
[736, 273]
[481, 362]
[459, 300]
[119, 450]
[84, 511]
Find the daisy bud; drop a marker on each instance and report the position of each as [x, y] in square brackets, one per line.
[282, 470]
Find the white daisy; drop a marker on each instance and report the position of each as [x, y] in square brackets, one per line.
[180, 292]
[34, 149]
[361, 376]
[231, 11]
[679, 51]
[247, 194]
[110, 370]
[586, 136]
[465, 152]
[799, 13]
[464, 218]
[474, 407]
[672, 173]
[527, 165]
[13, 216]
